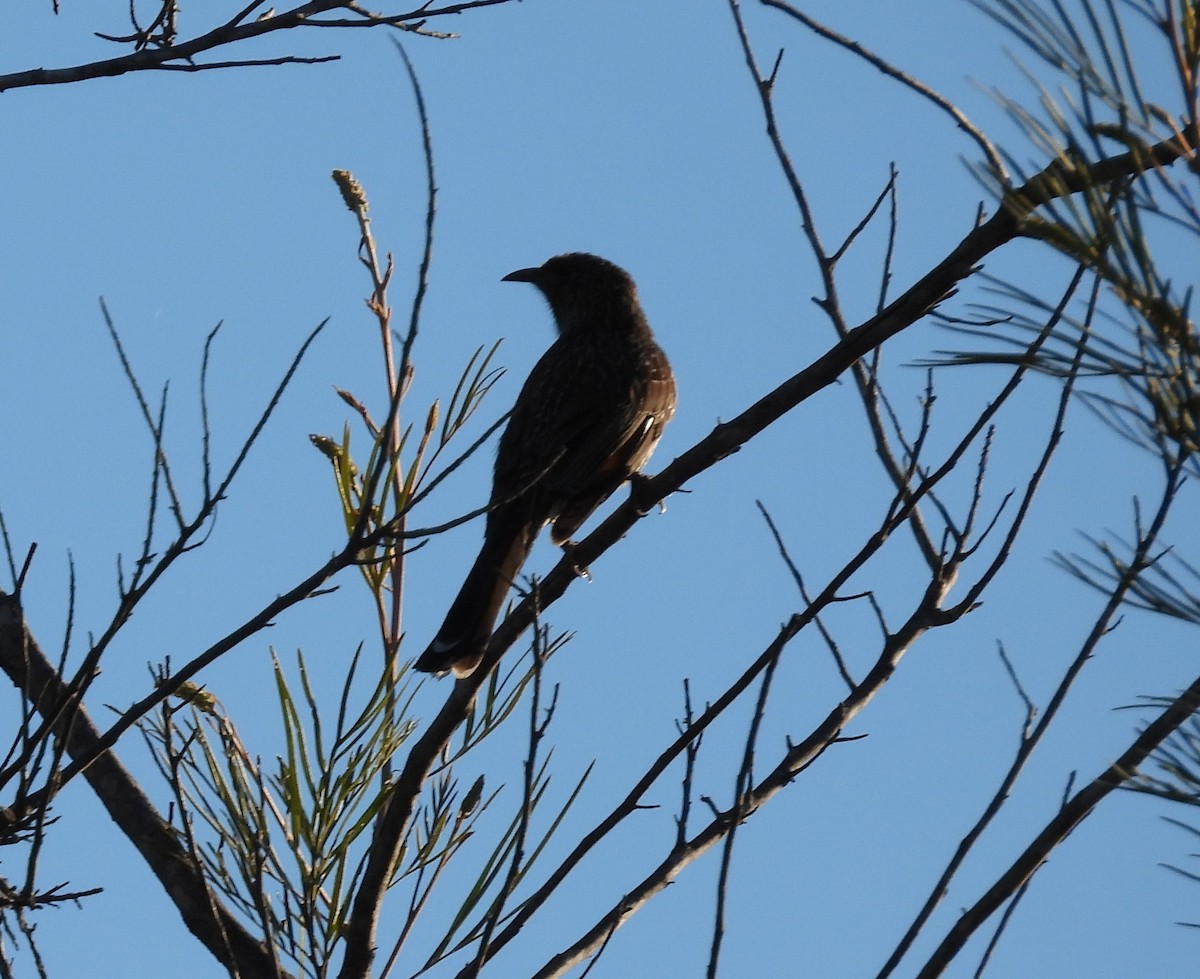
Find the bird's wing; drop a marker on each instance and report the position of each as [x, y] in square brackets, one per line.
[583, 424]
[618, 438]
[581, 434]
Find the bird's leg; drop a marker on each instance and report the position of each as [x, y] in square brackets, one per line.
[568, 549]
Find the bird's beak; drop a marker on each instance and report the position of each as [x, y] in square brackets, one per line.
[523, 275]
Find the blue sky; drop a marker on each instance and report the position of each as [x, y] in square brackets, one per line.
[632, 130]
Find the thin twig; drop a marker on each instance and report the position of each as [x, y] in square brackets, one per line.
[985, 145]
[738, 812]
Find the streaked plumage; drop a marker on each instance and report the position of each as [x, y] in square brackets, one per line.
[589, 415]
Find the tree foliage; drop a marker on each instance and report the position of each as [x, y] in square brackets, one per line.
[285, 867]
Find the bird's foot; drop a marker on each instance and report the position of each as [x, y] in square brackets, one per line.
[568, 549]
[643, 500]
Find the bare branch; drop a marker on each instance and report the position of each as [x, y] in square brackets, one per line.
[1077, 808]
[169, 54]
[941, 102]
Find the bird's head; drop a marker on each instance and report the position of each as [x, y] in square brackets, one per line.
[579, 286]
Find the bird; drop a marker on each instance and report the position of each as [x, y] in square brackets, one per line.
[586, 421]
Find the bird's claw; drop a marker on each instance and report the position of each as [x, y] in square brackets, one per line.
[568, 548]
[638, 495]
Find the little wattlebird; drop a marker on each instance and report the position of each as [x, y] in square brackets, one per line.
[587, 419]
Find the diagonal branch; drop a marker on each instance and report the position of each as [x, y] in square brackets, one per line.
[799, 756]
[1077, 808]
[206, 917]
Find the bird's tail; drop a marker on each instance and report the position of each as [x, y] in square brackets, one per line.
[461, 641]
